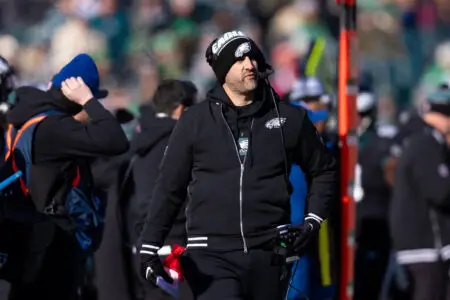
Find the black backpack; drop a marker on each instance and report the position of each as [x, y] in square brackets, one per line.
[73, 207]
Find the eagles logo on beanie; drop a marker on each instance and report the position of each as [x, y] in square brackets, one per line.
[230, 47]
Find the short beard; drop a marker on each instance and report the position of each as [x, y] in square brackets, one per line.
[243, 88]
[250, 85]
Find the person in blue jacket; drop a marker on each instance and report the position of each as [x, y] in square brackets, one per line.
[311, 278]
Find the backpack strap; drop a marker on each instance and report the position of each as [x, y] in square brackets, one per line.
[12, 138]
[10, 144]
[11, 148]
[76, 180]
[19, 134]
[8, 140]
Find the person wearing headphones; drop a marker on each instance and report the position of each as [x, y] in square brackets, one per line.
[231, 154]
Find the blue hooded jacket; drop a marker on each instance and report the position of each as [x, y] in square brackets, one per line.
[300, 280]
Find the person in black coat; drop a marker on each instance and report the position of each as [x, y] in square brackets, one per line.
[420, 210]
[157, 122]
[372, 194]
[80, 130]
[230, 154]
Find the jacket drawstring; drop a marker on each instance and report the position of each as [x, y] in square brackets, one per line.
[250, 148]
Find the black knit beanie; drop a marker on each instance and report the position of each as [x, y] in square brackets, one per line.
[230, 47]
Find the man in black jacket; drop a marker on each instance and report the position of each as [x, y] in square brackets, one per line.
[81, 130]
[233, 151]
[171, 99]
[419, 216]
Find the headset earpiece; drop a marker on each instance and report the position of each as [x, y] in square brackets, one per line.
[209, 58]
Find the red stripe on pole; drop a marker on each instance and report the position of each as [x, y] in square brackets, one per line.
[347, 2]
[348, 154]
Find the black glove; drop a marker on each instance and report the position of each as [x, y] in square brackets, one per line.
[151, 265]
[307, 232]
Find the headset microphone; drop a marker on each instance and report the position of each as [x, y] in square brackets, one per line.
[264, 75]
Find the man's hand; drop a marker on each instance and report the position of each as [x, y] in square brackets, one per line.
[76, 90]
[152, 267]
[308, 231]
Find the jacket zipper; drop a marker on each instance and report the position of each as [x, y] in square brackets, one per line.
[436, 230]
[186, 211]
[241, 179]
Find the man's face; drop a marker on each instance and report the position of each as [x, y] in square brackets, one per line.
[438, 121]
[243, 76]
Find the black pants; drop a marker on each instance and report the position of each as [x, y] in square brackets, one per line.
[57, 271]
[371, 258]
[430, 281]
[234, 275]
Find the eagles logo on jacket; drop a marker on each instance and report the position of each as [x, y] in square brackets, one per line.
[238, 198]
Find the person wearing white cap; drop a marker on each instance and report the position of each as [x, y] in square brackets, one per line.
[310, 91]
[307, 89]
[372, 193]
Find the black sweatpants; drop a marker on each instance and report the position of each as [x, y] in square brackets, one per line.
[430, 281]
[234, 275]
[57, 271]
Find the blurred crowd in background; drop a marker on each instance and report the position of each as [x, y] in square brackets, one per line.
[404, 44]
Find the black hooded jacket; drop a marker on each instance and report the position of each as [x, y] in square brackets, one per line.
[60, 139]
[239, 119]
[149, 146]
[374, 193]
[411, 122]
[237, 203]
[419, 213]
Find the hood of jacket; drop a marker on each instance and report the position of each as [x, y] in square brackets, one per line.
[154, 128]
[31, 101]
[218, 94]
[239, 118]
